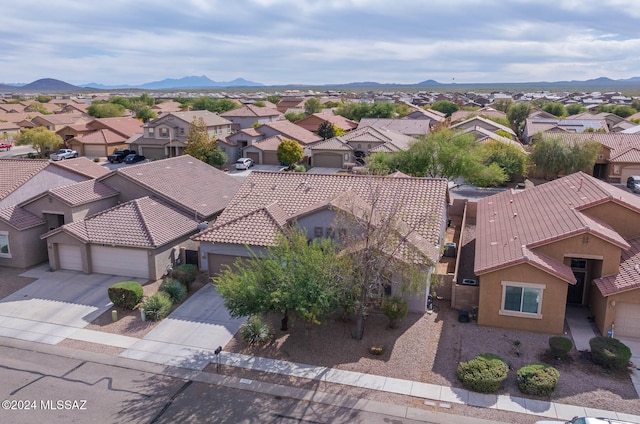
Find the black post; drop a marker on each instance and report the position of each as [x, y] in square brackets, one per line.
[217, 353]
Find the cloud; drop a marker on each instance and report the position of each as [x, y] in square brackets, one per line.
[333, 41]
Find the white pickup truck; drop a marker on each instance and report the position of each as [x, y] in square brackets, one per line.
[64, 154]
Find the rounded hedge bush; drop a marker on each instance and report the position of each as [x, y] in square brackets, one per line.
[559, 346]
[157, 306]
[609, 352]
[394, 308]
[484, 374]
[255, 331]
[537, 379]
[126, 294]
[175, 289]
[185, 273]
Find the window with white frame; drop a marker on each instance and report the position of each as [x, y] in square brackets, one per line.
[5, 252]
[522, 299]
[164, 132]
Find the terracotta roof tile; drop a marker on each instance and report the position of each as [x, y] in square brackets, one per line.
[20, 218]
[250, 218]
[292, 131]
[102, 137]
[542, 214]
[15, 172]
[628, 277]
[187, 181]
[411, 127]
[144, 222]
[82, 166]
[83, 192]
[269, 144]
[250, 111]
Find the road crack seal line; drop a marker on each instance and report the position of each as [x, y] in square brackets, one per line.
[184, 387]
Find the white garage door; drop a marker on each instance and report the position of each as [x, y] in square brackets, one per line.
[70, 257]
[628, 171]
[120, 261]
[93, 150]
[627, 319]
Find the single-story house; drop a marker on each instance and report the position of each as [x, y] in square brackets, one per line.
[411, 127]
[313, 122]
[100, 137]
[267, 202]
[571, 241]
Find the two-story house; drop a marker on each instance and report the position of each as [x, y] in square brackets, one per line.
[166, 136]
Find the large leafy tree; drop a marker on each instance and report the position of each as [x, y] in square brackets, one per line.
[552, 155]
[517, 116]
[218, 157]
[574, 109]
[312, 105]
[357, 111]
[40, 139]
[510, 158]
[214, 105]
[555, 108]
[445, 107]
[502, 105]
[200, 144]
[289, 152]
[326, 130]
[106, 110]
[296, 278]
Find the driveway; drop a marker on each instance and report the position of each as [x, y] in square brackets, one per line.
[55, 305]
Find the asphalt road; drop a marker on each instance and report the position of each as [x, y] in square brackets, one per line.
[45, 388]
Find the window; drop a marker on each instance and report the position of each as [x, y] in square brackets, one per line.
[578, 263]
[181, 130]
[4, 245]
[164, 132]
[151, 131]
[522, 299]
[317, 232]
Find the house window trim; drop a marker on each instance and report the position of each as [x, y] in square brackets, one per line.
[523, 285]
[6, 255]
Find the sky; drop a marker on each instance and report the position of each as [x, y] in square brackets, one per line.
[276, 42]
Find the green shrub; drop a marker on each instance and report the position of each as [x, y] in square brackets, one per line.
[485, 373]
[609, 352]
[126, 294]
[96, 160]
[185, 273]
[376, 350]
[175, 289]
[157, 306]
[537, 379]
[394, 308]
[559, 346]
[255, 331]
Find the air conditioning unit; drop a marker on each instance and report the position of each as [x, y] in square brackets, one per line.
[450, 250]
[469, 282]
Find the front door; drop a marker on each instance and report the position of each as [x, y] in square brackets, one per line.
[575, 293]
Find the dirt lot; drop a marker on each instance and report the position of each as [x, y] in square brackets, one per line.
[11, 282]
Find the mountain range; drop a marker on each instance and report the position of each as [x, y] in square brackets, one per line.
[48, 85]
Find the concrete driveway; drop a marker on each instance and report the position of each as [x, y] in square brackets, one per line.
[55, 305]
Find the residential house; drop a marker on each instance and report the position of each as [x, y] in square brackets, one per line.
[249, 116]
[159, 206]
[351, 148]
[100, 137]
[410, 127]
[267, 202]
[483, 135]
[8, 130]
[287, 103]
[166, 136]
[535, 126]
[486, 112]
[483, 123]
[167, 107]
[432, 115]
[313, 122]
[614, 122]
[22, 180]
[56, 122]
[571, 241]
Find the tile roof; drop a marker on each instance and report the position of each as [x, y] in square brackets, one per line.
[337, 120]
[628, 277]
[268, 200]
[186, 181]
[83, 192]
[15, 172]
[124, 126]
[211, 119]
[20, 218]
[145, 222]
[268, 144]
[403, 126]
[392, 139]
[616, 142]
[543, 214]
[631, 155]
[101, 137]
[485, 135]
[82, 166]
[290, 130]
[479, 121]
[250, 111]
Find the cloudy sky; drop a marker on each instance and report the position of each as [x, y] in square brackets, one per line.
[319, 41]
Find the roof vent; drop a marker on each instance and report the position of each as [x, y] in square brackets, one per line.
[202, 226]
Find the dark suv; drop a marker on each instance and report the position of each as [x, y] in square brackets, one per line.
[118, 155]
[633, 182]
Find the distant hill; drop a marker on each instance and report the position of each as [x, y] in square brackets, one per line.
[429, 82]
[47, 85]
[185, 82]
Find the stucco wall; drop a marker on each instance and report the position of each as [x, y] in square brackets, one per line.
[625, 221]
[608, 306]
[127, 188]
[168, 255]
[25, 247]
[50, 177]
[554, 300]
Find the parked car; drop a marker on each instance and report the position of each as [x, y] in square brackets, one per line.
[118, 155]
[633, 182]
[64, 154]
[5, 146]
[133, 158]
[244, 163]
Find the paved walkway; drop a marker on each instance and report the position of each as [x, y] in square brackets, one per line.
[187, 339]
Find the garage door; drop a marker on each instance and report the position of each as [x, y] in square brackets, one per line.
[628, 171]
[152, 153]
[627, 319]
[120, 261]
[254, 156]
[327, 160]
[70, 257]
[217, 262]
[94, 150]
